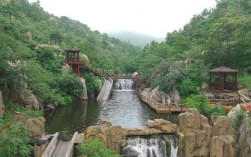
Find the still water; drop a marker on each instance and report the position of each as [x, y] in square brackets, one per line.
[124, 108]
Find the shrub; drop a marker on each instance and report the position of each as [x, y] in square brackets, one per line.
[95, 148]
[187, 87]
[201, 103]
[92, 82]
[14, 142]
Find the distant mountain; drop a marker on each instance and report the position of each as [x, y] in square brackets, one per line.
[137, 39]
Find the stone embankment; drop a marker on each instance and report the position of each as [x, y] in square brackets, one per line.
[196, 136]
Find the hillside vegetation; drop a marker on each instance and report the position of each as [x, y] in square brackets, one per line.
[32, 49]
[217, 37]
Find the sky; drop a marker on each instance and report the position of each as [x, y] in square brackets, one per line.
[151, 17]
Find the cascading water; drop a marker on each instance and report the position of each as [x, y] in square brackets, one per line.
[151, 147]
[124, 84]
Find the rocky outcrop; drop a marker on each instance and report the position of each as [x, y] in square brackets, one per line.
[197, 134]
[83, 96]
[244, 139]
[1, 105]
[223, 140]
[36, 126]
[232, 114]
[115, 137]
[30, 101]
[136, 79]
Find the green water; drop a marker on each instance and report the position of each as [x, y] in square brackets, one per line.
[124, 108]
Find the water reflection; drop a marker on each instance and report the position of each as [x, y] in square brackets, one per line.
[124, 108]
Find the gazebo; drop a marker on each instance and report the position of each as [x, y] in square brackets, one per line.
[226, 79]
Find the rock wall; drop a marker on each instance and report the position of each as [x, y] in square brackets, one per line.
[223, 138]
[115, 137]
[201, 139]
[197, 134]
[1, 105]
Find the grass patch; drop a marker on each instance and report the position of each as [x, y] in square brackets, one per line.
[244, 80]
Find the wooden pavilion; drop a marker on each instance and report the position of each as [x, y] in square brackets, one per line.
[72, 59]
[226, 79]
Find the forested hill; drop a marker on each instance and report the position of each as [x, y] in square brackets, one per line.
[217, 37]
[24, 25]
[32, 44]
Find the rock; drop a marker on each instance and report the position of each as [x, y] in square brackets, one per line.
[31, 101]
[1, 105]
[233, 114]
[210, 95]
[36, 126]
[155, 95]
[244, 140]
[83, 96]
[222, 146]
[204, 85]
[163, 125]
[130, 152]
[197, 134]
[28, 36]
[222, 126]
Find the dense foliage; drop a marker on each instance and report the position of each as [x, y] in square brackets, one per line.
[15, 141]
[217, 37]
[33, 47]
[201, 103]
[95, 148]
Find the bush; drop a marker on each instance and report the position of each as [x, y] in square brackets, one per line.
[14, 142]
[187, 87]
[70, 85]
[201, 103]
[95, 148]
[92, 82]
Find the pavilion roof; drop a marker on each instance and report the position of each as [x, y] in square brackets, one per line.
[72, 50]
[223, 70]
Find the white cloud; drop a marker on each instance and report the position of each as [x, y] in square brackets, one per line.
[153, 17]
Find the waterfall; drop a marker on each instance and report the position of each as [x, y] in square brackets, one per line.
[150, 147]
[124, 84]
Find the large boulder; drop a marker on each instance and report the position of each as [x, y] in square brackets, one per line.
[36, 126]
[130, 152]
[155, 95]
[162, 125]
[222, 146]
[222, 126]
[197, 134]
[232, 115]
[31, 102]
[223, 140]
[1, 105]
[244, 140]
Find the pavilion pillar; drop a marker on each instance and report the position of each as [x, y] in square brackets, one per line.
[221, 82]
[210, 81]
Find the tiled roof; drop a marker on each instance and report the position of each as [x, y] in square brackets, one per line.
[223, 70]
